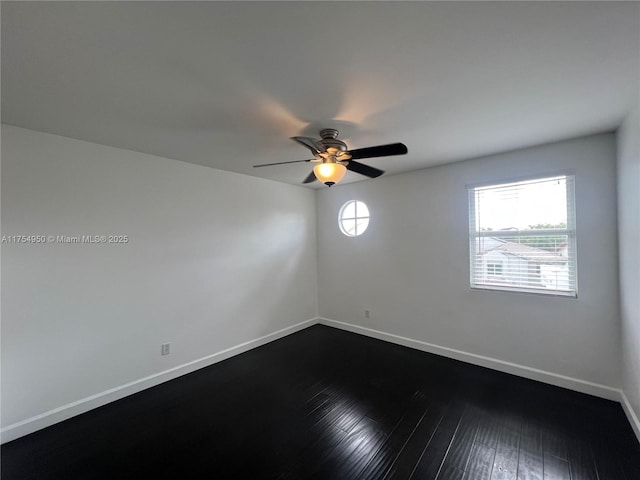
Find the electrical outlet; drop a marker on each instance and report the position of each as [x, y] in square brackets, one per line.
[367, 314]
[165, 348]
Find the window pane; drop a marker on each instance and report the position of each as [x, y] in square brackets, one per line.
[362, 210]
[361, 225]
[349, 210]
[522, 205]
[349, 226]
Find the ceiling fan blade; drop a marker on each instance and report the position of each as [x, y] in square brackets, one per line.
[379, 151]
[310, 178]
[281, 163]
[310, 143]
[364, 169]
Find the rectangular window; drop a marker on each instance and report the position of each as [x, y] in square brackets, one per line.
[494, 269]
[522, 236]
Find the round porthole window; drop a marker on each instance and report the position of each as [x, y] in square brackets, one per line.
[353, 218]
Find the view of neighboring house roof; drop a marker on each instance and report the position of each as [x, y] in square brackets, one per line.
[527, 252]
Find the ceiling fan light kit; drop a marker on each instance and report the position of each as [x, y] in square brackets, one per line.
[330, 173]
[335, 158]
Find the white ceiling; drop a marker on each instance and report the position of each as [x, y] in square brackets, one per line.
[226, 84]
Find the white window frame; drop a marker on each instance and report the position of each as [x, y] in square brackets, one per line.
[570, 231]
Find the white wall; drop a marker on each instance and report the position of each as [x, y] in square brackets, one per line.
[411, 267]
[214, 259]
[629, 238]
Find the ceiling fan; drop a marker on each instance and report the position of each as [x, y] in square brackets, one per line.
[334, 158]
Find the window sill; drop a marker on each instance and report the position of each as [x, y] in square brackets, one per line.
[530, 291]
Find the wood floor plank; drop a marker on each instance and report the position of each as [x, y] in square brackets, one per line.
[433, 455]
[463, 441]
[380, 464]
[530, 460]
[480, 462]
[555, 468]
[608, 464]
[346, 459]
[505, 464]
[554, 443]
[450, 473]
[415, 446]
[489, 430]
[581, 463]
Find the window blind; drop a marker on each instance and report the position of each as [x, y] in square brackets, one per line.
[522, 236]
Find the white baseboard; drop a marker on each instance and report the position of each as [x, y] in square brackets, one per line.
[551, 378]
[630, 413]
[46, 419]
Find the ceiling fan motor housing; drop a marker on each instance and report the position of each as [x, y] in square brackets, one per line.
[330, 141]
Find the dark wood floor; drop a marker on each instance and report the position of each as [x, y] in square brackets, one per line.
[327, 404]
